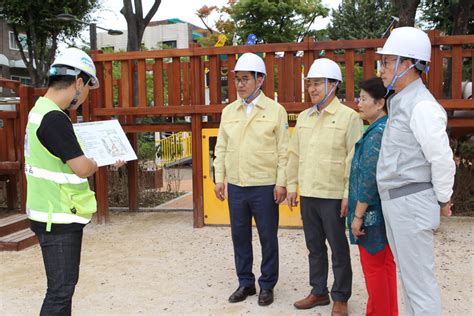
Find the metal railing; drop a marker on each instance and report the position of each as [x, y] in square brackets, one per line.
[173, 148]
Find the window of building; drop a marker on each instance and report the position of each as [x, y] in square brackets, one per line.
[13, 43]
[168, 44]
[23, 80]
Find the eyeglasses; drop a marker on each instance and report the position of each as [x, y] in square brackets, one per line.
[384, 62]
[243, 80]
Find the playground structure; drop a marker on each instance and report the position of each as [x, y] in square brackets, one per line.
[174, 149]
[172, 83]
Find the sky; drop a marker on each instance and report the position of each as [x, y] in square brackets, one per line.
[110, 16]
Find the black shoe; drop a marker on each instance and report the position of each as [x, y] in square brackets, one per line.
[265, 297]
[241, 294]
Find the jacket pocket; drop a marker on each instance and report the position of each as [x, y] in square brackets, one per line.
[332, 174]
[265, 164]
[81, 202]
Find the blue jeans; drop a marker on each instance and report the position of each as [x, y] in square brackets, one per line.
[256, 201]
[61, 257]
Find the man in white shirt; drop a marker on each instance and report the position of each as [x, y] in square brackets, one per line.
[415, 171]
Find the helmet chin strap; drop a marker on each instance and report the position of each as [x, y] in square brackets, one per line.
[254, 93]
[396, 77]
[316, 106]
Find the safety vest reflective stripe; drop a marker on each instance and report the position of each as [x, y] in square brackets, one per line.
[35, 118]
[58, 177]
[58, 218]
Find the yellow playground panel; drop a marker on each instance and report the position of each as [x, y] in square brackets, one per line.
[217, 212]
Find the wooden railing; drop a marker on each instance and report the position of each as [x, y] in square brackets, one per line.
[185, 72]
[192, 82]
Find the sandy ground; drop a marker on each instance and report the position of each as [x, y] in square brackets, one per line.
[156, 263]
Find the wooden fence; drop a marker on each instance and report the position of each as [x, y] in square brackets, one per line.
[197, 82]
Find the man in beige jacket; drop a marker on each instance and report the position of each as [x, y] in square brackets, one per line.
[251, 152]
[319, 162]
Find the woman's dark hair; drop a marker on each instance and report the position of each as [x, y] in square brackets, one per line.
[375, 88]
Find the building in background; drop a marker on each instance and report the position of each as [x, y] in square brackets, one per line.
[11, 65]
[170, 33]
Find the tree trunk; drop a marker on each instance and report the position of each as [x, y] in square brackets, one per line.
[136, 23]
[462, 15]
[406, 11]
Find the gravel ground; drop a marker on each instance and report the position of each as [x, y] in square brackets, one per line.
[156, 263]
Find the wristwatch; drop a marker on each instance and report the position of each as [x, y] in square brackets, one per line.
[442, 204]
[358, 217]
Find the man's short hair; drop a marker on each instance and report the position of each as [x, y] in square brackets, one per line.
[335, 81]
[420, 66]
[65, 81]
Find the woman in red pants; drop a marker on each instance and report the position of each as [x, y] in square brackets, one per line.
[365, 209]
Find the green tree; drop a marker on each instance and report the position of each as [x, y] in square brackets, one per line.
[36, 19]
[224, 25]
[272, 21]
[450, 17]
[360, 19]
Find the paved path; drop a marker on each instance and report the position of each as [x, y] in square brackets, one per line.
[184, 202]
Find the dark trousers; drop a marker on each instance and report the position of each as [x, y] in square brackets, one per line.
[321, 221]
[257, 201]
[61, 257]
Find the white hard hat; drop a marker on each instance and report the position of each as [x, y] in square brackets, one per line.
[77, 59]
[408, 42]
[467, 90]
[250, 62]
[324, 68]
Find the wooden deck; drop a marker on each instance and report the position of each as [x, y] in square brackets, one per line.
[15, 233]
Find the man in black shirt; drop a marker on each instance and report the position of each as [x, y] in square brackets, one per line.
[59, 201]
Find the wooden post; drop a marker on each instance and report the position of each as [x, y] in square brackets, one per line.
[196, 129]
[132, 167]
[141, 76]
[368, 67]
[197, 78]
[214, 79]
[232, 92]
[349, 62]
[26, 96]
[198, 192]
[269, 85]
[287, 77]
[456, 69]
[158, 83]
[309, 54]
[297, 79]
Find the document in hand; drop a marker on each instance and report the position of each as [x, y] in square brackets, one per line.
[104, 141]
